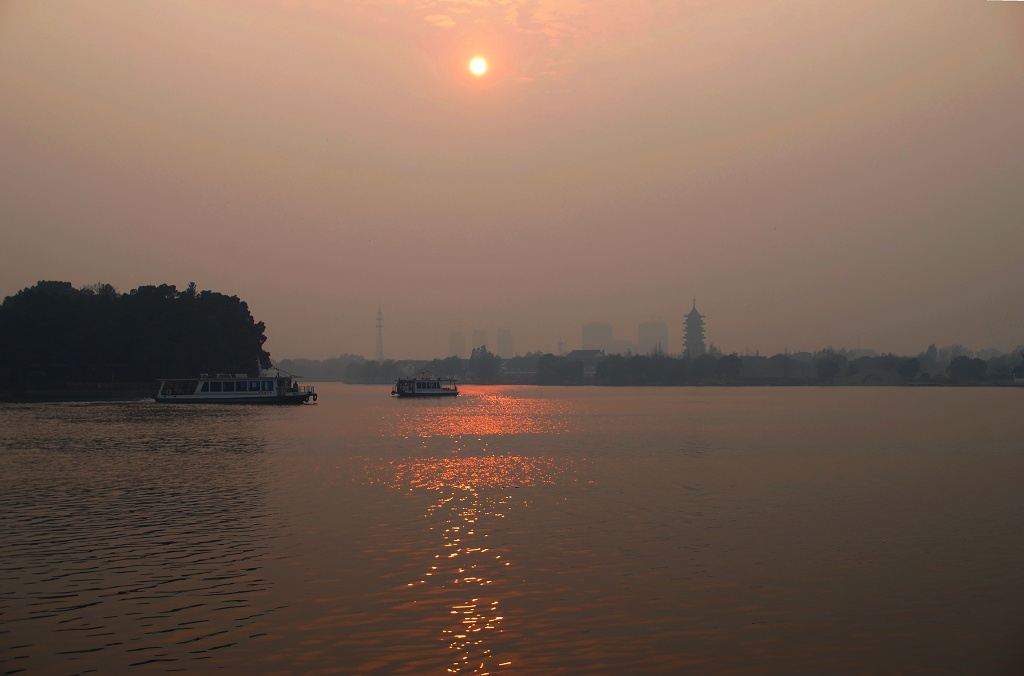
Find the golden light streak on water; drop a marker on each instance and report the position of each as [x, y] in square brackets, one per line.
[471, 494]
[482, 413]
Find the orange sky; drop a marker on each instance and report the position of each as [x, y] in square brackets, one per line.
[815, 175]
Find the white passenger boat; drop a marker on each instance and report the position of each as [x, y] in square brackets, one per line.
[271, 386]
[425, 385]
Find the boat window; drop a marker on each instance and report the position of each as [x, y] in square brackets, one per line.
[229, 386]
[206, 387]
[254, 386]
[268, 385]
[215, 386]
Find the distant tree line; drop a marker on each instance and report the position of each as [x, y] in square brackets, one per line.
[483, 367]
[927, 368]
[53, 334]
[661, 369]
[826, 367]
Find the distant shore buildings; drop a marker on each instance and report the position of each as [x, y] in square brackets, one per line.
[652, 337]
[598, 336]
[503, 343]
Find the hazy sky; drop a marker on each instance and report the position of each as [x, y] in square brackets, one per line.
[814, 173]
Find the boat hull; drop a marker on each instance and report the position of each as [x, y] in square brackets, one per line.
[423, 395]
[300, 398]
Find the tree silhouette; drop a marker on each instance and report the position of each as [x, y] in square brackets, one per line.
[52, 333]
[965, 369]
[484, 365]
[552, 370]
[909, 368]
[827, 370]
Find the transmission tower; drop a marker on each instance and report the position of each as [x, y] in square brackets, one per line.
[380, 335]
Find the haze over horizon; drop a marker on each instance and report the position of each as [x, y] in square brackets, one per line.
[814, 174]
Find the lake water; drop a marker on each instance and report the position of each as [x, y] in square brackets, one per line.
[541, 530]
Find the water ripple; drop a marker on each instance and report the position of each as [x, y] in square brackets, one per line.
[127, 544]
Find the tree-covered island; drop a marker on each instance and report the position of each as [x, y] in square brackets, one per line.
[55, 337]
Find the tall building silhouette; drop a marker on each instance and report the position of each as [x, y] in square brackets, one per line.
[456, 344]
[652, 337]
[693, 338]
[503, 344]
[380, 335]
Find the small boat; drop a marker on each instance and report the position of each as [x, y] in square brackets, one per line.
[271, 386]
[425, 385]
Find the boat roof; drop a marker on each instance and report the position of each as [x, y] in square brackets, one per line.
[234, 376]
[426, 375]
[272, 372]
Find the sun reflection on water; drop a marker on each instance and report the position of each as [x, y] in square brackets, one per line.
[474, 473]
[471, 495]
[492, 412]
[472, 492]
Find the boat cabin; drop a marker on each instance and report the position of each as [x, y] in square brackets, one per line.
[235, 388]
[425, 385]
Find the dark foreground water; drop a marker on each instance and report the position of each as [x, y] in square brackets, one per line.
[689, 530]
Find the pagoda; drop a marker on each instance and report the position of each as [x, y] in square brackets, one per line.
[693, 339]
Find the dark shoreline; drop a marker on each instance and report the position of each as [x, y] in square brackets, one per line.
[69, 392]
[55, 396]
[59, 396]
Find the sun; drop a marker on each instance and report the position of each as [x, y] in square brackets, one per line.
[478, 66]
